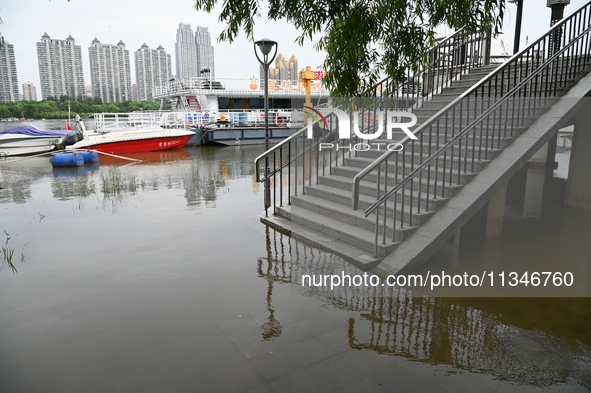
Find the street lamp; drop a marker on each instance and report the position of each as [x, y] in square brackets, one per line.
[266, 46]
[557, 7]
[517, 24]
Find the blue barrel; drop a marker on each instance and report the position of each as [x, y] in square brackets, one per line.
[90, 156]
[67, 159]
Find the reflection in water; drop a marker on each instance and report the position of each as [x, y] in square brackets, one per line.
[200, 172]
[271, 328]
[69, 183]
[461, 333]
[16, 178]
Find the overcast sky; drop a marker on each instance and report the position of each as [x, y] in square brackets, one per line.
[155, 22]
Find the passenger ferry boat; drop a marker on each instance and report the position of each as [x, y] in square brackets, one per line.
[236, 116]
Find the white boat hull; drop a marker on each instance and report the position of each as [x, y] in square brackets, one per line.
[17, 145]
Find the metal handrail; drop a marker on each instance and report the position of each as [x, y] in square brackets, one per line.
[451, 105]
[499, 104]
[431, 64]
[299, 133]
[446, 61]
[466, 130]
[276, 148]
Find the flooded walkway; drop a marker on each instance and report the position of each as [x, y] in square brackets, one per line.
[159, 277]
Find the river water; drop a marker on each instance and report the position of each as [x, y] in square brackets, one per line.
[159, 277]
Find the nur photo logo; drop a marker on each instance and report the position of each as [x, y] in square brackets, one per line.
[391, 120]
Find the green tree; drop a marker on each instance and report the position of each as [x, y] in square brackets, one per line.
[363, 40]
[4, 112]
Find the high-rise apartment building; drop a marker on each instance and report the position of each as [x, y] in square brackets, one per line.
[29, 92]
[186, 53]
[284, 70]
[110, 72]
[205, 53]
[8, 78]
[60, 67]
[152, 69]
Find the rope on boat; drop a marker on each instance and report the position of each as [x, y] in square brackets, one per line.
[7, 161]
[116, 156]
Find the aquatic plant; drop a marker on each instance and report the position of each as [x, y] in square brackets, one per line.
[112, 182]
[7, 254]
[8, 237]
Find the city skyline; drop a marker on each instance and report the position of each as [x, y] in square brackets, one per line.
[157, 22]
[155, 25]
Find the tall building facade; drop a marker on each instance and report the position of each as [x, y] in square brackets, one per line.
[186, 53]
[152, 69]
[205, 52]
[110, 72]
[60, 67]
[29, 92]
[284, 70]
[8, 78]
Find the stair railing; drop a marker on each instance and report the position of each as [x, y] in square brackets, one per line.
[453, 56]
[467, 133]
[297, 160]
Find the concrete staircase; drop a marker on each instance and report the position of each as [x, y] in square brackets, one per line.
[452, 184]
[324, 215]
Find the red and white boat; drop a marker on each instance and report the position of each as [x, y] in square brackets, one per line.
[117, 133]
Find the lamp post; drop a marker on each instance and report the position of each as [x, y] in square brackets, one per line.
[557, 7]
[266, 46]
[517, 24]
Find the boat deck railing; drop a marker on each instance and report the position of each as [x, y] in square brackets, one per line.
[246, 118]
[108, 122]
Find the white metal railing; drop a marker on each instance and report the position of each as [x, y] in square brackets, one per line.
[109, 122]
[246, 118]
[112, 122]
[204, 86]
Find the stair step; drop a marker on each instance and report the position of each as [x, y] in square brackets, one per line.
[473, 139]
[519, 108]
[337, 229]
[349, 252]
[345, 172]
[367, 194]
[363, 162]
[356, 218]
[450, 159]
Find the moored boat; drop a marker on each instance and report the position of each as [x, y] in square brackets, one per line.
[28, 139]
[133, 133]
